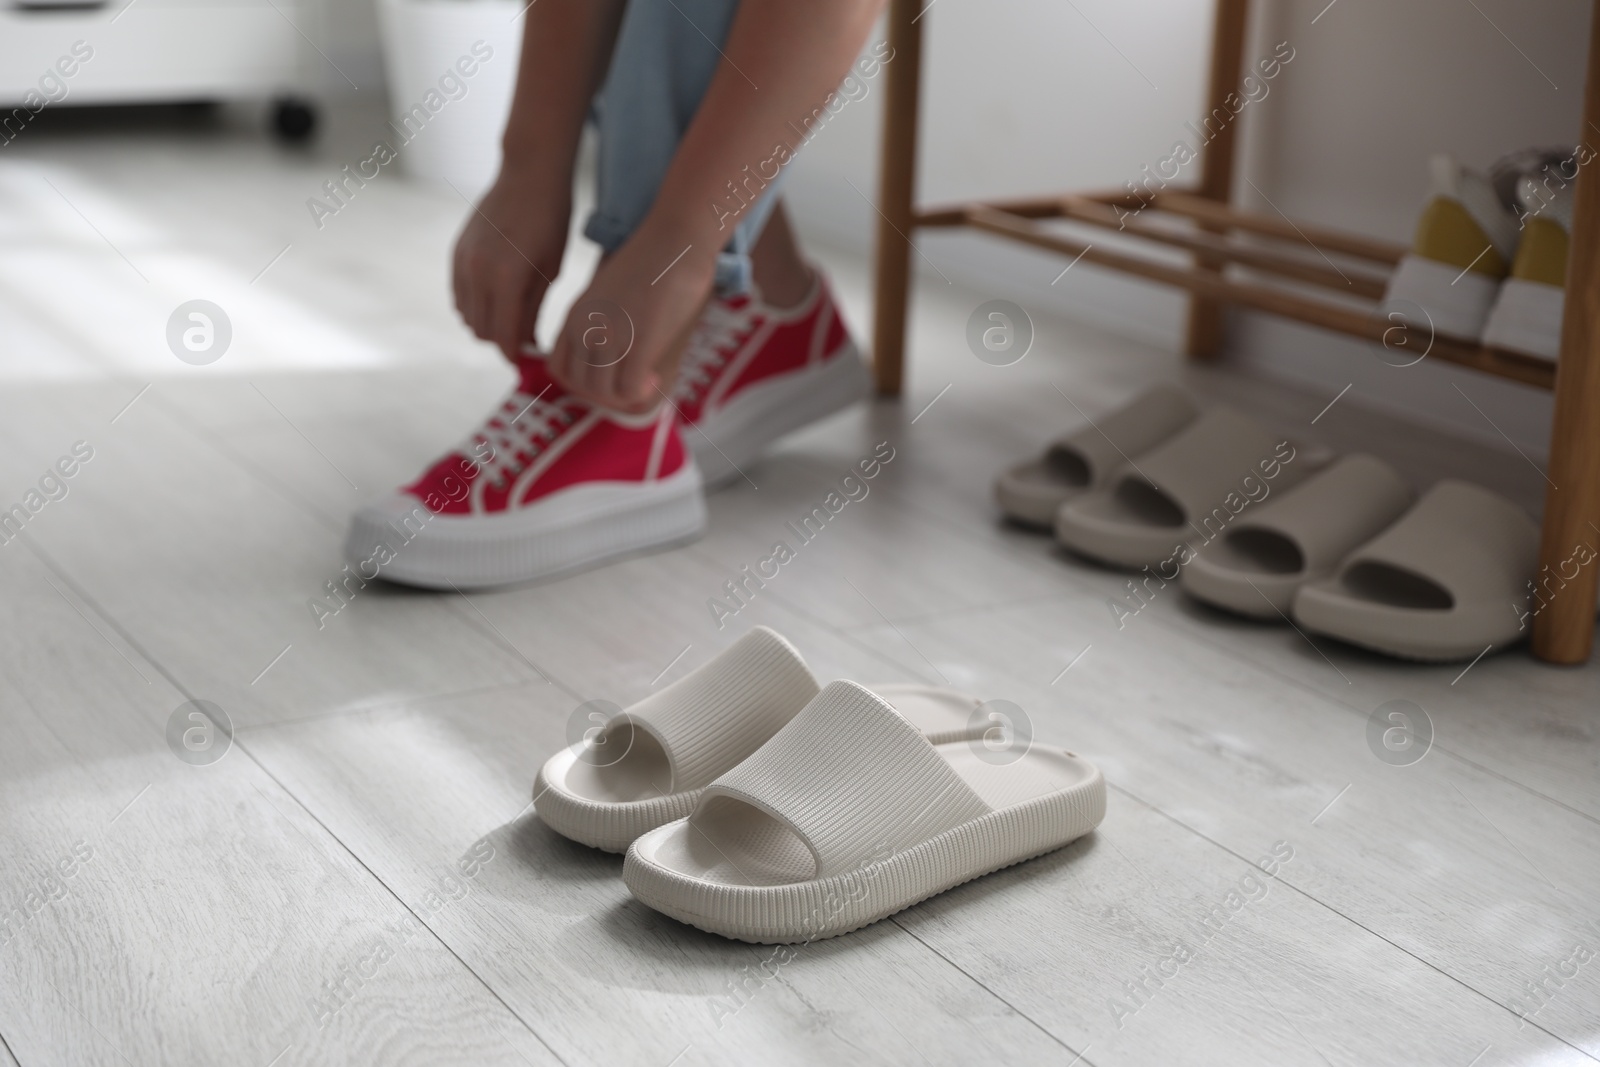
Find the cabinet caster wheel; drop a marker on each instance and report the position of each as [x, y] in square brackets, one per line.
[293, 120]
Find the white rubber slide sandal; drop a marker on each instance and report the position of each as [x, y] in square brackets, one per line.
[647, 765]
[1032, 491]
[1261, 561]
[1448, 581]
[1190, 488]
[849, 815]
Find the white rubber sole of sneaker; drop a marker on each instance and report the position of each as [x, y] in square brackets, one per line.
[1454, 302]
[735, 436]
[1527, 318]
[570, 530]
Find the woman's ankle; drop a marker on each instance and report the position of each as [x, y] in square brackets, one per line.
[781, 273]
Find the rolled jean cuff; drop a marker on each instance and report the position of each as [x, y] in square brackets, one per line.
[734, 273]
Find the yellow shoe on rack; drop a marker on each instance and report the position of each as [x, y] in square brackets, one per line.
[1463, 249]
[1527, 313]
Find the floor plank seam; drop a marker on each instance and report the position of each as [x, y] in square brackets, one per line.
[415, 703]
[1301, 684]
[1354, 922]
[1082, 588]
[94, 605]
[255, 761]
[500, 641]
[897, 920]
[847, 637]
[378, 879]
[205, 435]
[956, 613]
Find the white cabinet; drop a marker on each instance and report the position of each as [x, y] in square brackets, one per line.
[151, 51]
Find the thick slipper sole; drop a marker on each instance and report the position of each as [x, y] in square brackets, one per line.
[1101, 527]
[1031, 493]
[827, 907]
[610, 826]
[1257, 594]
[1405, 633]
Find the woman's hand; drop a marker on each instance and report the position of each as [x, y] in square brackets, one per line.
[620, 345]
[509, 252]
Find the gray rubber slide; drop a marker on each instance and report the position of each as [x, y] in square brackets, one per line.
[1189, 489]
[647, 765]
[850, 814]
[1031, 491]
[1448, 581]
[1261, 561]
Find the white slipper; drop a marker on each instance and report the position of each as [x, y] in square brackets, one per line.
[849, 815]
[1032, 491]
[1262, 560]
[648, 764]
[1448, 581]
[1189, 488]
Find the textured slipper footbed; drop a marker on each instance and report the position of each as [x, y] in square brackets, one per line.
[1030, 492]
[644, 765]
[1448, 581]
[1259, 562]
[849, 815]
[827, 907]
[943, 715]
[649, 765]
[1187, 489]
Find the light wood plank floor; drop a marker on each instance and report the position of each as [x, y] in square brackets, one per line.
[361, 880]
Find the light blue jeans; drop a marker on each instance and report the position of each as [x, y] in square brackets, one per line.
[665, 55]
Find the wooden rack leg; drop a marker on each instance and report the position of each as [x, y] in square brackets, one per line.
[1216, 161]
[896, 188]
[1563, 631]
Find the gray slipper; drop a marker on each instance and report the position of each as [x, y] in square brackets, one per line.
[1032, 491]
[1189, 489]
[1262, 560]
[1448, 581]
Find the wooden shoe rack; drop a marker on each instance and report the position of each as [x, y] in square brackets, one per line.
[1218, 235]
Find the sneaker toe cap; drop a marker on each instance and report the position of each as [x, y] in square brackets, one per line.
[383, 524]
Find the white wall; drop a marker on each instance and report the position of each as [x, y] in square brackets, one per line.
[1377, 88]
[1022, 97]
[349, 36]
[1028, 96]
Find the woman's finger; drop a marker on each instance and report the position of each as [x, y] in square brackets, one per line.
[507, 300]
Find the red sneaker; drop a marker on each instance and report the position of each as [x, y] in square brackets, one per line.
[752, 373]
[548, 484]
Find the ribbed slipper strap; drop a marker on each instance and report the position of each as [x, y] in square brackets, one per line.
[853, 779]
[1143, 423]
[1335, 510]
[1207, 461]
[1476, 544]
[719, 713]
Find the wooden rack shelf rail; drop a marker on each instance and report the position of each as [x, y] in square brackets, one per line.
[1404, 342]
[1217, 235]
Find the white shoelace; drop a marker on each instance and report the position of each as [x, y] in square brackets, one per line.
[516, 434]
[716, 337]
